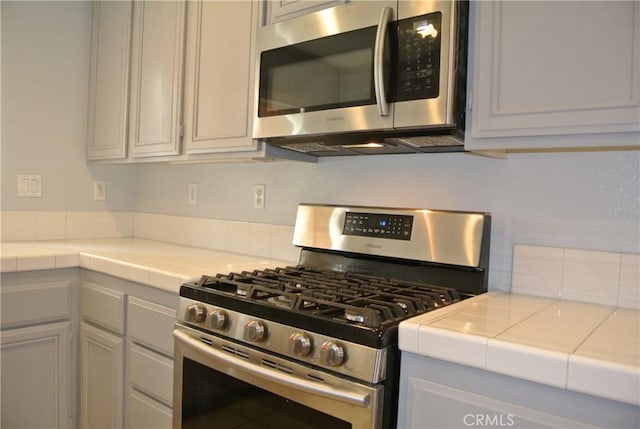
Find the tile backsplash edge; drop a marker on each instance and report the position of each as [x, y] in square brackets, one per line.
[233, 236]
[600, 277]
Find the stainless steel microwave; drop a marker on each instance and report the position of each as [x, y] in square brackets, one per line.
[366, 77]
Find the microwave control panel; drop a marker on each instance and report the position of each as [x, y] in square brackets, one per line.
[419, 46]
[394, 226]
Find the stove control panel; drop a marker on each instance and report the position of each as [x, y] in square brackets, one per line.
[312, 348]
[394, 226]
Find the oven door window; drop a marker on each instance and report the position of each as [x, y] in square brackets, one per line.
[212, 399]
[321, 74]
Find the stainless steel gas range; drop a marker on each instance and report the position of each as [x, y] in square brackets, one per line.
[315, 345]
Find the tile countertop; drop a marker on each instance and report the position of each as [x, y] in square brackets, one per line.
[162, 265]
[583, 347]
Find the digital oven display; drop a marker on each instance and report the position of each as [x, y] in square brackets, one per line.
[396, 227]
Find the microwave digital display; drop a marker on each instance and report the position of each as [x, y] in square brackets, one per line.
[419, 40]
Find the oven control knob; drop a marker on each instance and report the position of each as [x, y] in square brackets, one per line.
[255, 331]
[332, 353]
[218, 319]
[300, 344]
[195, 313]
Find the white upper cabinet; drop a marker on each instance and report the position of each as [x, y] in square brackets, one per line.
[156, 78]
[281, 10]
[174, 81]
[109, 88]
[555, 75]
[219, 76]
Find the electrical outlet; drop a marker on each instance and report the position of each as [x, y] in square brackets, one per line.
[192, 197]
[99, 190]
[258, 196]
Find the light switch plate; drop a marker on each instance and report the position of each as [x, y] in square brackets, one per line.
[30, 185]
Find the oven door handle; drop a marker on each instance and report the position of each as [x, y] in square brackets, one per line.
[378, 61]
[354, 398]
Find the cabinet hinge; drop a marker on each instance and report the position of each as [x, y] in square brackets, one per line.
[181, 131]
[469, 100]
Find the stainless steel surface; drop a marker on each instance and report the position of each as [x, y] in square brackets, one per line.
[308, 27]
[361, 362]
[411, 114]
[353, 402]
[424, 115]
[378, 62]
[446, 237]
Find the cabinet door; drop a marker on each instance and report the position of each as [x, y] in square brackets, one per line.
[556, 68]
[109, 80]
[101, 379]
[447, 407]
[156, 78]
[36, 377]
[280, 10]
[219, 70]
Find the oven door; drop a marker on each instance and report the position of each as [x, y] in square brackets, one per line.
[218, 383]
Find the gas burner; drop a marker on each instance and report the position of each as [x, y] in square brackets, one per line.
[351, 298]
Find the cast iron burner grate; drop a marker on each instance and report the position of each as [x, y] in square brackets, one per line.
[352, 298]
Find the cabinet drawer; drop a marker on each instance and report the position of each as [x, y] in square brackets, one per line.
[103, 306]
[38, 303]
[144, 412]
[150, 372]
[151, 324]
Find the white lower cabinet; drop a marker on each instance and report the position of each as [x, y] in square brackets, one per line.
[126, 354]
[101, 378]
[149, 364]
[36, 376]
[439, 394]
[113, 358]
[37, 350]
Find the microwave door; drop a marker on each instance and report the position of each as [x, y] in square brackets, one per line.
[325, 72]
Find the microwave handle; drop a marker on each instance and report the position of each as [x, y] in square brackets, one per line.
[378, 61]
